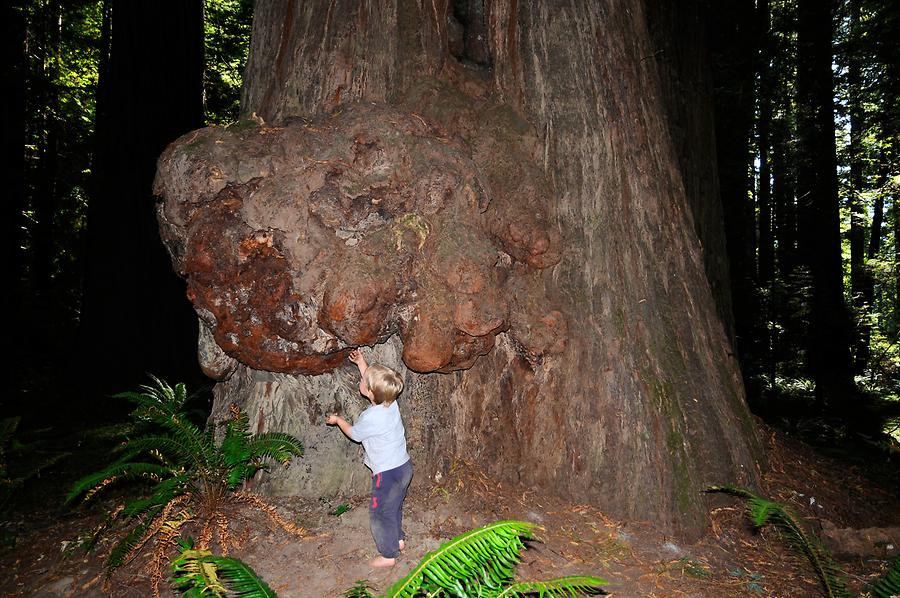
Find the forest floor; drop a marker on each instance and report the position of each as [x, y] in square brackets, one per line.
[729, 560]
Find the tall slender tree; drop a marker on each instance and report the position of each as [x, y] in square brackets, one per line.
[733, 39]
[135, 318]
[817, 195]
[766, 82]
[859, 275]
[12, 164]
[45, 195]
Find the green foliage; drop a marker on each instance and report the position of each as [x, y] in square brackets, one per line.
[889, 584]
[752, 579]
[361, 589]
[199, 573]
[761, 511]
[190, 475]
[692, 568]
[61, 72]
[485, 557]
[562, 587]
[227, 32]
[481, 563]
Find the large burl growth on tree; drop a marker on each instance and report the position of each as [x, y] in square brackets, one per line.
[303, 240]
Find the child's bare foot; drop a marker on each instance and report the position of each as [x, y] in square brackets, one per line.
[402, 545]
[380, 562]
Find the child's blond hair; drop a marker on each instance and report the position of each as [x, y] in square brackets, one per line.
[384, 383]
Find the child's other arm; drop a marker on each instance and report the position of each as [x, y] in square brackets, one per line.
[356, 357]
[340, 422]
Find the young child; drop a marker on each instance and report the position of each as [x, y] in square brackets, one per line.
[380, 430]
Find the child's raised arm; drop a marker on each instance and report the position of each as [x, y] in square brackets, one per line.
[336, 420]
[356, 357]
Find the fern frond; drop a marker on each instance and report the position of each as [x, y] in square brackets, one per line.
[218, 575]
[888, 585]
[240, 472]
[732, 490]
[191, 572]
[561, 587]
[169, 451]
[257, 502]
[234, 451]
[93, 483]
[95, 534]
[276, 446]
[162, 493]
[168, 534]
[132, 541]
[161, 394]
[486, 556]
[155, 521]
[187, 434]
[762, 511]
[360, 589]
[241, 580]
[160, 404]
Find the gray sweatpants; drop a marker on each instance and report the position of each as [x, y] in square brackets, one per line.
[386, 509]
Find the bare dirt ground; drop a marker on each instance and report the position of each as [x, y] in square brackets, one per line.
[729, 560]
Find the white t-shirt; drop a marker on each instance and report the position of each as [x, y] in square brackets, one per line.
[380, 430]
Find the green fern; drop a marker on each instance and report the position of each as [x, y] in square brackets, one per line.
[360, 589]
[199, 573]
[483, 557]
[561, 587]
[889, 584]
[762, 511]
[131, 541]
[182, 462]
[481, 563]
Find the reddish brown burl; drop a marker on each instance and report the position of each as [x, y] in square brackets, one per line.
[303, 240]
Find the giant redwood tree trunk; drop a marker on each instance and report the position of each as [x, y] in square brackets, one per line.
[572, 344]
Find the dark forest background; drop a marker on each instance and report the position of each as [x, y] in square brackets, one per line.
[805, 94]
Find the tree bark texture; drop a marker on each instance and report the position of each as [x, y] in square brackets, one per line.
[645, 406]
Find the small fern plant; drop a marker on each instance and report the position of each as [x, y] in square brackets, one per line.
[192, 479]
[482, 563]
[888, 585]
[761, 511]
[199, 573]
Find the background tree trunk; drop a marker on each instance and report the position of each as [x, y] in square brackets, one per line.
[12, 125]
[150, 92]
[859, 275]
[817, 193]
[687, 94]
[732, 40]
[646, 405]
[766, 83]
